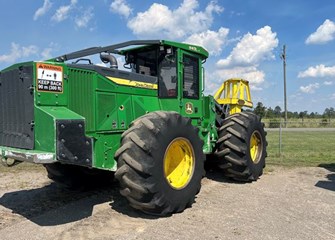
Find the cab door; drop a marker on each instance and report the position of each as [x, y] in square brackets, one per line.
[190, 73]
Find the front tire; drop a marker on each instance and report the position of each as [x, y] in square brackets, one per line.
[242, 147]
[160, 163]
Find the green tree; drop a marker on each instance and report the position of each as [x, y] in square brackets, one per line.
[302, 115]
[269, 113]
[260, 109]
[329, 113]
[277, 111]
[290, 114]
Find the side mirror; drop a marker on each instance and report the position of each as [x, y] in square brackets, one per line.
[170, 58]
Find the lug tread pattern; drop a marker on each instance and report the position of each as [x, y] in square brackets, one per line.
[136, 163]
[233, 147]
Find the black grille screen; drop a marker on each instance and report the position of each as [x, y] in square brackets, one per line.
[17, 108]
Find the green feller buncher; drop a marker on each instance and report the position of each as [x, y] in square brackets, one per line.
[151, 124]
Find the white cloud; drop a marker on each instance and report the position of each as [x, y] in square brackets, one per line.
[249, 52]
[46, 53]
[332, 97]
[254, 88]
[30, 50]
[121, 7]
[159, 21]
[310, 88]
[252, 49]
[211, 40]
[42, 10]
[328, 83]
[318, 71]
[324, 33]
[83, 20]
[252, 74]
[18, 52]
[63, 12]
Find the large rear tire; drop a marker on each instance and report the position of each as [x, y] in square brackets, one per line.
[160, 163]
[241, 147]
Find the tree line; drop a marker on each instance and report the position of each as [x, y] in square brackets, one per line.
[268, 112]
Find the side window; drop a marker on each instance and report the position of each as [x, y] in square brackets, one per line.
[146, 63]
[191, 77]
[167, 84]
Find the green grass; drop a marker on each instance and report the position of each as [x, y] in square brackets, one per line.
[303, 123]
[307, 149]
[302, 148]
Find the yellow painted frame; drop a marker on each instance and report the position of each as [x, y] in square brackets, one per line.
[236, 93]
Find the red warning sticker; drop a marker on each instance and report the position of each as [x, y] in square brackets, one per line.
[49, 78]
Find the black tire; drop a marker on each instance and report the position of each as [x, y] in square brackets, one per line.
[234, 153]
[77, 177]
[141, 160]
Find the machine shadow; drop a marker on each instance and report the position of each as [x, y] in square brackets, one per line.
[330, 184]
[52, 205]
[216, 174]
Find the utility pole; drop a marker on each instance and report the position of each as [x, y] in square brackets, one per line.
[283, 57]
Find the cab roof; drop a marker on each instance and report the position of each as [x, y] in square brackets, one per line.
[124, 47]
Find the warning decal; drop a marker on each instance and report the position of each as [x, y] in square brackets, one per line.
[49, 78]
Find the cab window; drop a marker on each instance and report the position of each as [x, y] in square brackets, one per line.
[167, 77]
[191, 77]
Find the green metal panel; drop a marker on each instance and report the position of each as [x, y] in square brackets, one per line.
[106, 110]
[144, 104]
[45, 120]
[105, 146]
[44, 130]
[200, 51]
[105, 85]
[209, 131]
[81, 95]
[125, 111]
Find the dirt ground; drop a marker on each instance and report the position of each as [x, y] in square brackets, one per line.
[284, 203]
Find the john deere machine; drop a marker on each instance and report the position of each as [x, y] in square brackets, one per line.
[150, 123]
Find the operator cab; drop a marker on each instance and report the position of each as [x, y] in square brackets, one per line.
[161, 62]
[157, 61]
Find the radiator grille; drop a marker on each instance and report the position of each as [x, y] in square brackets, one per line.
[17, 108]
[81, 95]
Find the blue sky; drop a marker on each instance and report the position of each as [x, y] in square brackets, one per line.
[244, 38]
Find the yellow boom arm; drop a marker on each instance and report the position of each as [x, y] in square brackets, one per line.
[236, 93]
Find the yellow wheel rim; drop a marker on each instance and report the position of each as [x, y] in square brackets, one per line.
[179, 163]
[256, 146]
